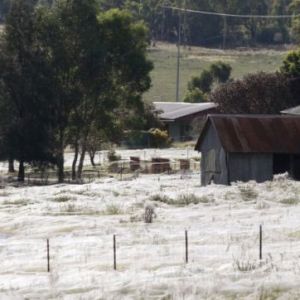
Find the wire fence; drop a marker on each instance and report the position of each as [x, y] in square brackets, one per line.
[125, 169]
[148, 251]
[128, 164]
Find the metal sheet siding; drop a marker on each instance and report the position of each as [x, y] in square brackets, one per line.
[245, 167]
[213, 159]
[210, 139]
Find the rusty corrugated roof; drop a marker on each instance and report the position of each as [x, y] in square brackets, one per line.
[255, 133]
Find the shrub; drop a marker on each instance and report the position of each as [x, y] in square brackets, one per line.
[113, 209]
[159, 138]
[112, 156]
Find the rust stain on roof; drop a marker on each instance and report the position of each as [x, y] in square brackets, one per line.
[255, 133]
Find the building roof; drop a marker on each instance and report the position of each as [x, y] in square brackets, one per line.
[292, 111]
[255, 133]
[171, 111]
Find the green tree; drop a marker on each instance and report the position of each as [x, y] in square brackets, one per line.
[220, 71]
[69, 71]
[25, 90]
[71, 36]
[260, 93]
[199, 87]
[294, 8]
[291, 68]
[126, 77]
[203, 82]
[195, 95]
[99, 69]
[291, 64]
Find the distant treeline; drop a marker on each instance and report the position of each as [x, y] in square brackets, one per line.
[208, 30]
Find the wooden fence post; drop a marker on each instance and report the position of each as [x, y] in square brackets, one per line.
[115, 255]
[48, 256]
[121, 172]
[260, 242]
[186, 247]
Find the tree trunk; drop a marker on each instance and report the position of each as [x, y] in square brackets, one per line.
[92, 157]
[60, 168]
[60, 159]
[21, 174]
[81, 161]
[75, 161]
[11, 167]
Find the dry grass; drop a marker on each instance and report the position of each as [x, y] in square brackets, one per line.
[113, 209]
[195, 60]
[17, 202]
[182, 200]
[245, 266]
[290, 201]
[62, 199]
[247, 193]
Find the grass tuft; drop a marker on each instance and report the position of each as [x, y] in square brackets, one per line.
[244, 266]
[161, 198]
[18, 202]
[289, 201]
[113, 209]
[62, 199]
[182, 200]
[247, 193]
[69, 208]
[187, 199]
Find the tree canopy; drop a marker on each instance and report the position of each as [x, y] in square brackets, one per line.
[200, 86]
[260, 93]
[69, 72]
[212, 30]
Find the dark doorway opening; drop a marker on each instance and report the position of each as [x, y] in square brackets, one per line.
[296, 167]
[281, 163]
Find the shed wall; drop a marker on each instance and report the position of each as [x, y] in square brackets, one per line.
[249, 166]
[181, 130]
[174, 131]
[213, 159]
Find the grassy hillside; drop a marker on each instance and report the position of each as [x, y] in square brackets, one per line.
[195, 59]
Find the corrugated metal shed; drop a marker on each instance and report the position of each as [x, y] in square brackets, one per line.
[292, 111]
[171, 111]
[256, 133]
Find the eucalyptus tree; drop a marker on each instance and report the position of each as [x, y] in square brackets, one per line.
[98, 62]
[121, 81]
[25, 92]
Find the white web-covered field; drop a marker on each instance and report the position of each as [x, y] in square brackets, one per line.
[222, 223]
